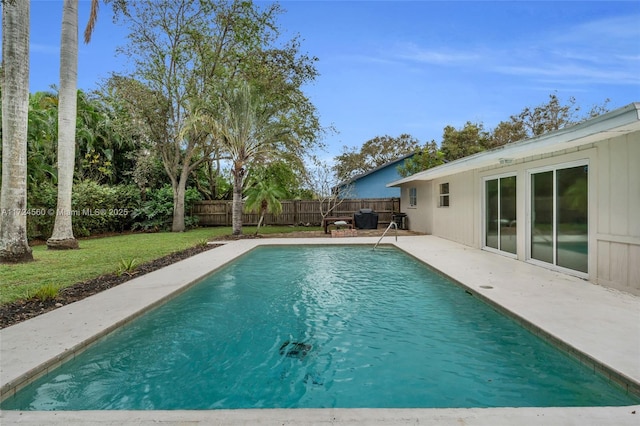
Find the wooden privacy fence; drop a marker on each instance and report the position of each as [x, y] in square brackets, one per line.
[294, 212]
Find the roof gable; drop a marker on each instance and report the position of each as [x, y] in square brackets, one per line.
[381, 167]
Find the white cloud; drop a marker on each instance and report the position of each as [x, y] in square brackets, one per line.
[605, 51]
[413, 52]
[607, 31]
[573, 73]
[368, 59]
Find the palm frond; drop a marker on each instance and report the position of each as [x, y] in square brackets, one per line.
[93, 18]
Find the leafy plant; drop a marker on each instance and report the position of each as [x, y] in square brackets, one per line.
[46, 292]
[156, 213]
[263, 196]
[127, 266]
[96, 209]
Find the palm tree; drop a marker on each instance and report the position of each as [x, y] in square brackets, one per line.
[62, 237]
[249, 132]
[14, 246]
[262, 196]
[100, 145]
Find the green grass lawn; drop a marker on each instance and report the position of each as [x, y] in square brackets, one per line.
[99, 256]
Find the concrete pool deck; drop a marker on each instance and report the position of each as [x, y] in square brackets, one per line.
[599, 326]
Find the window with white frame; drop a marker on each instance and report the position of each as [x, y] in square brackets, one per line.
[444, 195]
[413, 197]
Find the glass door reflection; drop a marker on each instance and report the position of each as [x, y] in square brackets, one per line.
[559, 217]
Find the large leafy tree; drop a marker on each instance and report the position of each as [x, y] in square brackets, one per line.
[429, 156]
[104, 141]
[166, 45]
[284, 175]
[187, 53]
[129, 116]
[507, 132]
[373, 153]
[209, 179]
[15, 103]
[468, 140]
[277, 74]
[546, 117]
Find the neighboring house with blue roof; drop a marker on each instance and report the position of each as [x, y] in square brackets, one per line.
[373, 184]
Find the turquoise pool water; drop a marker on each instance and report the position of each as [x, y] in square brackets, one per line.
[339, 326]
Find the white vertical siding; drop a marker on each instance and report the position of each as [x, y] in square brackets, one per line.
[602, 187]
[604, 259]
[618, 188]
[614, 203]
[458, 221]
[420, 217]
[618, 225]
[633, 170]
[634, 268]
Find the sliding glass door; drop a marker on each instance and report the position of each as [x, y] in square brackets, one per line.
[500, 214]
[559, 217]
[542, 241]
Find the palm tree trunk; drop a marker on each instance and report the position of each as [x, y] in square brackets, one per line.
[62, 237]
[260, 221]
[236, 209]
[14, 246]
[264, 206]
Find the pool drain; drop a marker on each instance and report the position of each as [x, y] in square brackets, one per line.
[297, 350]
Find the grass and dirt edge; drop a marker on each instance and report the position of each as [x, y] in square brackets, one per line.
[57, 278]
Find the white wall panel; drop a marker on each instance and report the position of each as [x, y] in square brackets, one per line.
[614, 202]
[618, 187]
[633, 169]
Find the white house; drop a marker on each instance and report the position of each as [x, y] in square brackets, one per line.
[567, 200]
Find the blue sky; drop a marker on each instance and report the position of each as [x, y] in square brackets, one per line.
[392, 67]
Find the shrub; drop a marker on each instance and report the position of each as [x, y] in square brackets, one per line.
[99, 209]
[156, 212]
[42, 199]
[103, 208]
[96, 209]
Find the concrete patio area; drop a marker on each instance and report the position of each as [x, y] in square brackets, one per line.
[599, 326]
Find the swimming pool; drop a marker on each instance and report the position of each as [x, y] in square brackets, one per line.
[364, 329]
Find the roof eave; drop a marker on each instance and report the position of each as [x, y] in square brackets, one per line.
[620, 121]
[382, 166]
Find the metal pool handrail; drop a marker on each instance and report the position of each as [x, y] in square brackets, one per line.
[395, 225]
